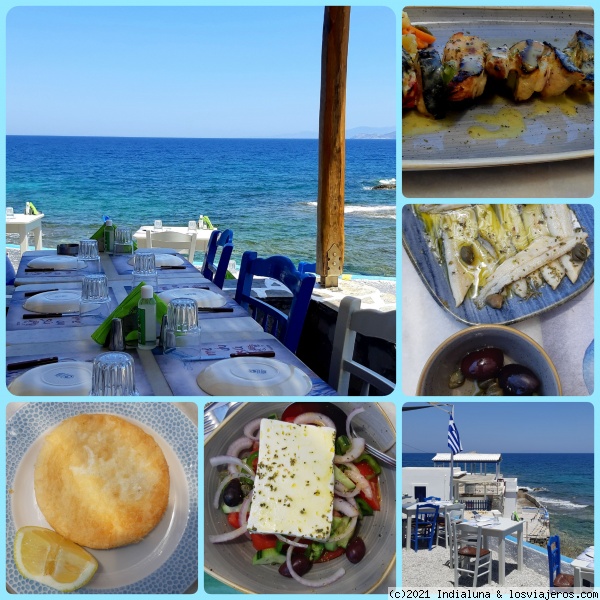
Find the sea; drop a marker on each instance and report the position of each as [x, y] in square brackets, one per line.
[265, 190]
[563, 483]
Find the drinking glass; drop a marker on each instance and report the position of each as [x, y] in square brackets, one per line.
[10, 212]
[113, 375]
[94, 305]
[183, 331]
[123, 241]
[158, 225]
[88, 251]
[144, 269]
[192, 226]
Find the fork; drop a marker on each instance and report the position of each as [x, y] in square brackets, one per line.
[214, 416]
[386, 459]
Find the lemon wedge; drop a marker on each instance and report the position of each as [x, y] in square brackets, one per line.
[46, 556]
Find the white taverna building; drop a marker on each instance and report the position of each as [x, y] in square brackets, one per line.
[476, 481]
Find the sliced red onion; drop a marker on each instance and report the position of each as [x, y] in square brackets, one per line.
[340, 490]
[226, 537]
[221, 488]
[360, 480]
[244, 509]
[215, 461]
[351, 416]
[357, 448]
[344, 533]
[309, 582]
[345, 507]
[252, 429]
[313, 418]
[283, 539]
[235, 449]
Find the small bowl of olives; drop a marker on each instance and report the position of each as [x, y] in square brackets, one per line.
[489, 360]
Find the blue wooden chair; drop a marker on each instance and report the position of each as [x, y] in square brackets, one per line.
[307, 267]
[429, 498]
[425, 523]
[285, 328]
[216, 272]
[10, 272]
[557, 579]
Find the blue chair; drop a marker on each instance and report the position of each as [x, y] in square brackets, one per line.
[432, 498]
[218, 239]
[425, 524]
[10, 272]
[557, 579]
[307, 267]
[285, 328]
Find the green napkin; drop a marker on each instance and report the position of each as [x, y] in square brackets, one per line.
[125, 309]
[206, 220]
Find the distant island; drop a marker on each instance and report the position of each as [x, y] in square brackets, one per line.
[355, 133]
[374, 136]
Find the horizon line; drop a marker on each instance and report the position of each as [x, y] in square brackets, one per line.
[170, 137]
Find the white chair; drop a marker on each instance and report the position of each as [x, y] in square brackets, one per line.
[368, 322]
[184, 243]
[582, 574]
[469, 559]
[454, 511]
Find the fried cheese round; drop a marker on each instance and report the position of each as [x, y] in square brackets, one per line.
[101, 481]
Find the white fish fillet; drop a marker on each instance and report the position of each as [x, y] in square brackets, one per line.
[541, 251]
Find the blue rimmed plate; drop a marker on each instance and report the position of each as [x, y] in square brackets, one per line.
[435, 278]
[165, 561]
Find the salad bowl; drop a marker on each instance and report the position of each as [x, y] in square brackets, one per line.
[231, 562]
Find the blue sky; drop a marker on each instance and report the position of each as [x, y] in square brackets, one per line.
[189, 71]
[502, 427]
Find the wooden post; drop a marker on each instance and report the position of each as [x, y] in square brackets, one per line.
[332, 145]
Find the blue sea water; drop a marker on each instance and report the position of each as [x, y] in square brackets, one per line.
[265, 190]
[564, 483]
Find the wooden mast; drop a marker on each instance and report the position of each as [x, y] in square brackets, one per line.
[332, 145]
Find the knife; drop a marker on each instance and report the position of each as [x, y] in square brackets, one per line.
[32, 270]
[267, 354]
[29, 294]
[173, 267]
[26, 364]
[216, 309]
[50, 315]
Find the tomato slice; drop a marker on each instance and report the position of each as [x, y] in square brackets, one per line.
[234, 519]
[330, 555]
[366, 471]
[262, 541]
[255, 447]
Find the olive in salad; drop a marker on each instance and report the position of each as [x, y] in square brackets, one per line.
[356, 496]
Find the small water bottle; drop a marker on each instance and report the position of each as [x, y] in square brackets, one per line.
[147, 319]
[27, 208]
[109, 236]
[201, 222]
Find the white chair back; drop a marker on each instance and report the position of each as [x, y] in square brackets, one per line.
[582, 574]
[184, 243]
[480, 559]
[371, 323]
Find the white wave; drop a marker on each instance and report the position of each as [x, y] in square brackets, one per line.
[561, 503]
[380, 211]
[391, 181]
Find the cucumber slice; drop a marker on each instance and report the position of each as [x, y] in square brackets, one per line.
[343, 479]
[269, 556]
[230, 509]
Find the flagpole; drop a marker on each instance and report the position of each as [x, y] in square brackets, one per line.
[452, 466]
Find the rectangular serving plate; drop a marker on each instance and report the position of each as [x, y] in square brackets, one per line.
[435, 278]
[565, 132]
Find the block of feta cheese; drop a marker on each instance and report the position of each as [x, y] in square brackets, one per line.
[293, 489]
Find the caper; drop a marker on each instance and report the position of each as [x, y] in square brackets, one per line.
[467, 255]
[456, 379]
[494, 390]
[579, 252]
[495, 300]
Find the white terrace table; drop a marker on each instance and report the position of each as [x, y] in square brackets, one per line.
[24, 224]
[584, 561]
[410, 510]
[499, 530]
[202, 236]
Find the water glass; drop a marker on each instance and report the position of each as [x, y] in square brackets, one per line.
[192, 226]
[158, 225]
[88, 251]
[113, 375]
[123, 241]
[10, 212]
[183, 331]
[144, 269]
[94, 305]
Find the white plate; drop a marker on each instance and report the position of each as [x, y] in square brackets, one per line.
[203, 298]
[57, 379]
[54, 302]
[166, 561]
[253, 376]
[56, 262]
[163, 260]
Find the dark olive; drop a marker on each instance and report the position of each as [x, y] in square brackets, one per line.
[355, 550]
[482, 364]
[579, 252]
[232, 496]
[467, 255]
[495, 300]
[300, 564]
[517, 380]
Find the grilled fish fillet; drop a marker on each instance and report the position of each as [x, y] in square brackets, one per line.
[101, 481]
[581, 51]
[466, 55]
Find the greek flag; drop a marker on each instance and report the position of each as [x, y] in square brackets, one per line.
[453, 438]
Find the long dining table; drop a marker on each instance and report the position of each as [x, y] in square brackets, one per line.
[30, 338]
